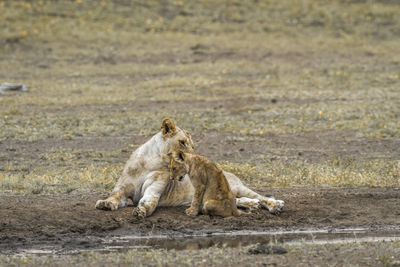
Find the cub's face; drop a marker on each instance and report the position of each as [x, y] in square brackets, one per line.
[177, 168]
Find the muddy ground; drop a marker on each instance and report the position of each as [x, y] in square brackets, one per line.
[68, 220]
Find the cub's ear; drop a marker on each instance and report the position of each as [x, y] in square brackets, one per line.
[189, 136]
[168, 128]
[179, 156]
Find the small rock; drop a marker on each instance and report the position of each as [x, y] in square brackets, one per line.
[267, 249]
[200, 47]
[12, 87]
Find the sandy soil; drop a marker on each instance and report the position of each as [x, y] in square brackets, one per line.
[68, 219]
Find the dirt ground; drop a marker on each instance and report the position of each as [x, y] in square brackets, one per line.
[31, 219]
[308, 146]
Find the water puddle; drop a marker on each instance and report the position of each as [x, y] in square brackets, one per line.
[221, 239]
[245, 238]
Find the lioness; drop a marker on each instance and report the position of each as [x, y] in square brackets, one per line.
[212, 194]
[145, 178]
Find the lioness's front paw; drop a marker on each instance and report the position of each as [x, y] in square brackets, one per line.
[106, 204]
[191, 212]
[139, 212]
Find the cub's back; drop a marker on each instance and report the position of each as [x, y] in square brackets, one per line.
[213, 177]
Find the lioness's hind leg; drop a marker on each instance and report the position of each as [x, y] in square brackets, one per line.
[240, 190]
[274, 206]
[248, 203]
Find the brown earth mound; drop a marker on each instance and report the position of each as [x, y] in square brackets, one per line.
[38, 218]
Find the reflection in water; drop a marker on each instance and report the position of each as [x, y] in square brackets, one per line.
[244, 238]
[226, 239]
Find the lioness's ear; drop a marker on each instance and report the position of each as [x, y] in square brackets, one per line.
[168, 128]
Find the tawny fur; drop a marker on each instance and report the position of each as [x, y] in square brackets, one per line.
[212, 194]
[145, 178]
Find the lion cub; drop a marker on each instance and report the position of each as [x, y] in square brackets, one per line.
[212, 192]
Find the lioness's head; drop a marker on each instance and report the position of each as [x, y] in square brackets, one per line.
[177, 168]
[176, 138]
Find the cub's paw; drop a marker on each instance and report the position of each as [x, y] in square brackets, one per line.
[191, 212]
[139, 212]
[107, 204]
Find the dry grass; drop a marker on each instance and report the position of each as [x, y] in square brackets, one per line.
[100, 68]
[51, 181]
[348, 172]
[83, 171]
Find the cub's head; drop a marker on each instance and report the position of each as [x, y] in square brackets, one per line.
[175, 138]
[177, 168]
